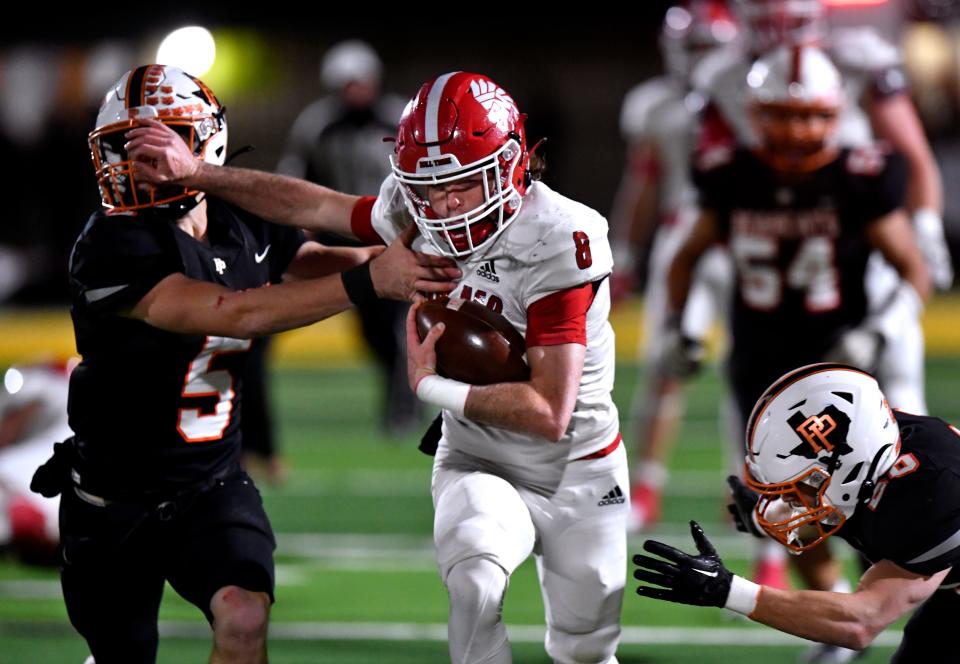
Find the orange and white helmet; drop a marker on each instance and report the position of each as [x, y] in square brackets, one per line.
[175, 98]
[457, 125]
[816, 442]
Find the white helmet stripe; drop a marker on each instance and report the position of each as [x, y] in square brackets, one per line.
[431, 118]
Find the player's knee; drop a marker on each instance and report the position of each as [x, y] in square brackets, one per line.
[476, 587]
[240, 616]
[596, 646]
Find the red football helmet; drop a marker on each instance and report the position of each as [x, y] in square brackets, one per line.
[178, 100]
[456, 126]
[772, 23]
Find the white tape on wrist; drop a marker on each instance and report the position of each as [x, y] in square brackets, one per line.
[448, 394]
[743, 596]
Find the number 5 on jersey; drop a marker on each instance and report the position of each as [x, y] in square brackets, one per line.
[201, 381]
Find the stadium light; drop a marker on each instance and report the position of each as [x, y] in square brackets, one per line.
[192, 49]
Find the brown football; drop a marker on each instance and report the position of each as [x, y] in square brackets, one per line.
[478, 345]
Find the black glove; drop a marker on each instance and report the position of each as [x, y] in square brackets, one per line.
[53, 476]
[699, 580]
[744, 502]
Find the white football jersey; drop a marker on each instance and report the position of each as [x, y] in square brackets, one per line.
[553, 244]
[663, 112]
[859, 53]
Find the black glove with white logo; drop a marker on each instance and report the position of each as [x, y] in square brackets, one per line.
[742, 507]
[699, 580]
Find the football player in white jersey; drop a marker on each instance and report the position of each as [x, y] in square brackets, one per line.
[533, 467]
[656, 197]
[33, 415]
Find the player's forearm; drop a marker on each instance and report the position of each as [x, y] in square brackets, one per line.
[271, 309]
[827, 617]
[187, 307]
[895, 120]
[278, 198]
[316, 260]
[518, 407]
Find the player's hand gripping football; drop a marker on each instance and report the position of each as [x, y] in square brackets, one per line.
[160, 154]
[701, 580]
[421, 356]
[400, 273]
[742, 507]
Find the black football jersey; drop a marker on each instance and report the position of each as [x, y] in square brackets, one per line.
[913, 519]
[800, 252]
[153, 410]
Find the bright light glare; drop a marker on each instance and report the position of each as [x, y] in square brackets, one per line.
[13, 381]
[191, 49]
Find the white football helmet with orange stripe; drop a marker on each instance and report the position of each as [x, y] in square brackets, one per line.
[175, 98]
[458, 125]
[817, 441]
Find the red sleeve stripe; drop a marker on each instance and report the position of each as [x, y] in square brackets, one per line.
[560, 318]
[361, 221]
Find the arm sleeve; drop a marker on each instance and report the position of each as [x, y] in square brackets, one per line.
[361, 221]
[560, 318]
[118, 259]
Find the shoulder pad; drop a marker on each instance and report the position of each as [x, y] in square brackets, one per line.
[562, 242]
[717, 66]
[389, 215]
[862, 49]
[714, 157]
[639, 105]
[869, 160]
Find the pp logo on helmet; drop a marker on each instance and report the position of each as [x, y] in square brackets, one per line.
[495, 100]
[824, 432]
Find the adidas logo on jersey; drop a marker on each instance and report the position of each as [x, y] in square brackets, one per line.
[615, 497]
[488, 272]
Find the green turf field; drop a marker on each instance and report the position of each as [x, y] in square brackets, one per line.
[356, 581]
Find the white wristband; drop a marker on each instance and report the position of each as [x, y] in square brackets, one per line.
[743, 596]
[448, 394]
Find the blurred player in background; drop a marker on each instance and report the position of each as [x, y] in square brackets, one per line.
[169, 286]
[656, 198]
[827, 457]
[338, 141]
[800, 215]
[878, 106]
[33, 416]
[528, 467]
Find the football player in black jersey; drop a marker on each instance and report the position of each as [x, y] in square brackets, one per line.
[168, 289]
[827, 456]
[800, 216]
